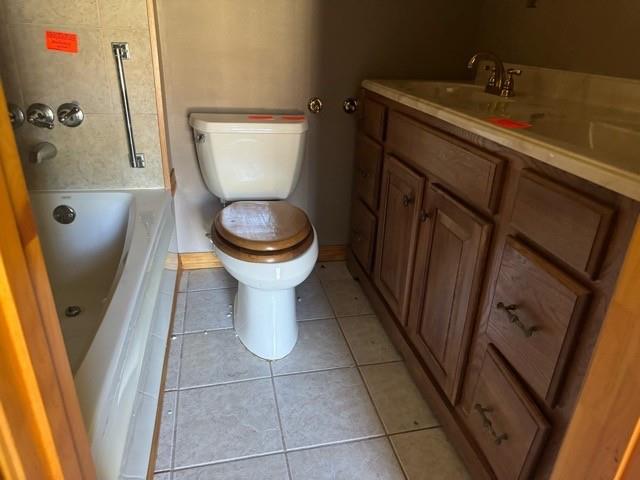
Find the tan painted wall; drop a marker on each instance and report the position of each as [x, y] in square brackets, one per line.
[594, 36]
[267, 54]
[93, 155]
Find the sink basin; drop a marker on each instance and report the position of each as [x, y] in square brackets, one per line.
[473, 99]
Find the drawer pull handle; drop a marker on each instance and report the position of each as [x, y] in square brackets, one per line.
[514, 319]
[407, 199]
[488, 425]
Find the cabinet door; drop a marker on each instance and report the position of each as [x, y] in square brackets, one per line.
[401, 201]
[452, 250]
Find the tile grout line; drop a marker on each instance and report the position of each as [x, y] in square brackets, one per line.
[366, 387]
[284, 443]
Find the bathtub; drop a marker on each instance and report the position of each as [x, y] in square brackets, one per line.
[113, 276]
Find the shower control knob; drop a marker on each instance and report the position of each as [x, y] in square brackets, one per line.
[350, 105]
[40, 115]
[70, 114]
[315, 105]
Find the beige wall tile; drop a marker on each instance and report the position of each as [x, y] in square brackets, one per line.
[138, 70]
[76, 12]
[123, 13]
[93, 155]
[53, 77]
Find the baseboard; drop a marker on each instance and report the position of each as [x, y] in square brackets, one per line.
[196, 260]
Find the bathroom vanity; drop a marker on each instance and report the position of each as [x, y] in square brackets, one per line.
[488, 239]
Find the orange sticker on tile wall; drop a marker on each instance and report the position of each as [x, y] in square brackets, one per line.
[62, 41]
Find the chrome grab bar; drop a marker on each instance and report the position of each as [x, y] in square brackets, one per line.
[121, 52]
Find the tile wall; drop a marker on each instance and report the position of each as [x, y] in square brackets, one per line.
[95, 154]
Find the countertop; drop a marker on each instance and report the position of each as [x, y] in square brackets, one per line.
[596, 140]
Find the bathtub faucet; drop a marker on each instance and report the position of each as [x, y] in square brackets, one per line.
[42, 151]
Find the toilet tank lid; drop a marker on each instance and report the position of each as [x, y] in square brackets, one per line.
[248, 122]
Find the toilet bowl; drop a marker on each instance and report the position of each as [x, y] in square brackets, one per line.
[252, 163]
[270, 247]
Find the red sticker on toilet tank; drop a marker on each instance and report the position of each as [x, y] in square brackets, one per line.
[62, 41]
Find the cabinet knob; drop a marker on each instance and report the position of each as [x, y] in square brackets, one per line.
[407, 199]
[424, 216]
[498, 438]
[515, 320]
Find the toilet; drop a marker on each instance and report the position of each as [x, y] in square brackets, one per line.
[252, 163]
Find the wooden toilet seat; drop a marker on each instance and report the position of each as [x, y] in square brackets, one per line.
[262, 231]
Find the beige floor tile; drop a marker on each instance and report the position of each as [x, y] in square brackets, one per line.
[363, 460]
[427, 455]
[368, 340]
[226, 422]
[173, 365]
[397, 398]
[218, 357]
[332, 271]
[347, 298]
[312, 302]
[209, 310]
[270, 467]
[180, 311]
[325, 407]
[320, 346]
[165, 435]
[210, 278]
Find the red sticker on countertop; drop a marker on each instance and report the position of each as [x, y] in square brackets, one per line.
[260, 117]
[296, 118]
[508, 123]
[62, 41]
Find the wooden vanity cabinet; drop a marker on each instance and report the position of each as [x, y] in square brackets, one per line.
[491, 272]
[399, 215]
[448, 274]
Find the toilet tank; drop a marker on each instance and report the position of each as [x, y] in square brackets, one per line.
[249, 156]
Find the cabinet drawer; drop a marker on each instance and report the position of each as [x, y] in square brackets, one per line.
[564, 222]
[468, 171]
[506, 423]
[373, 119]
[535, 314]
[363, 231]
[367, 173]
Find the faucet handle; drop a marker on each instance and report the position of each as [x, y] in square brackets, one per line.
[507, 88]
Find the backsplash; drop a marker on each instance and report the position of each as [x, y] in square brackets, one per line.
[93, 155]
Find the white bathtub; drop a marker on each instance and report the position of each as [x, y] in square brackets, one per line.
[113, 262]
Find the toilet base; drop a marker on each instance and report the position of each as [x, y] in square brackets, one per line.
[265, 321]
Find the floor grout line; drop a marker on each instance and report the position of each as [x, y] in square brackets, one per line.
[272, 376]
[366, 387]
[284, 442]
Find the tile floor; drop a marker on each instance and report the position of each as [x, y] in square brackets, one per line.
[340, 406]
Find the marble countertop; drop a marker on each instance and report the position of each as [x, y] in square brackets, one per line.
[588, 135]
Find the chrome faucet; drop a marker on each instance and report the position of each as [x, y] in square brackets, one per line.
[500, 81]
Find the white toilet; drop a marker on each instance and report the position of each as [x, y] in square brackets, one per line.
[252, 162]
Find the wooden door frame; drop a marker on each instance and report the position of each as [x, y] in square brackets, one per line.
[42, 433]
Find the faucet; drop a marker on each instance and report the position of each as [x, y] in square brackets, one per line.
[500, 81]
